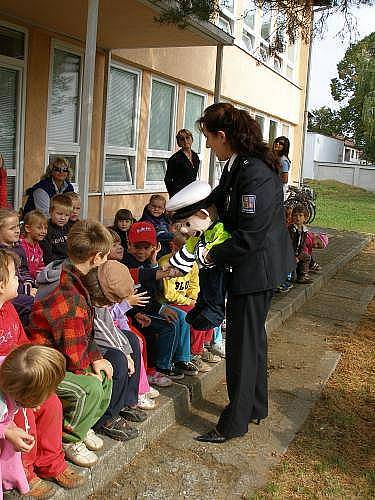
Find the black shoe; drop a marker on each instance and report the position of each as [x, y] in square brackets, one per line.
[133, 414]
[212, 437]
[119, 429]
[187, 368]
[173, 374]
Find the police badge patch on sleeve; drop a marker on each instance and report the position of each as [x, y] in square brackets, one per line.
[248, 203]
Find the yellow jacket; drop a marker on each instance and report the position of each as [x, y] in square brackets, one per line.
[183, 290]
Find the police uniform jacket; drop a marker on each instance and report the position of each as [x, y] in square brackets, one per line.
[180, 171]
[249, 199]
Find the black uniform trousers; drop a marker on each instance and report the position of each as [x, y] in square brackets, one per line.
[246, 362]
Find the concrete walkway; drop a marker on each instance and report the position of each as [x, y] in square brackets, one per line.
[173, 465]
[300, 363]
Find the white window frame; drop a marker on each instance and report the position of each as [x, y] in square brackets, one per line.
[113, 187]
[21, 67]
[157, 154]
[205, 97]
[265, 124]
[74, 148]
[227, 16]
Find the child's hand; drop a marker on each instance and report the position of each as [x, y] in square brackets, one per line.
[138, 299]
[169, 314]
[33, 292]
[131, 368]
[143, 320]
[155, 251]
[102, 365]
[21, 440]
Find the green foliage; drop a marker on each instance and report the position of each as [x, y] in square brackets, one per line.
[354, 87]
[325, 121]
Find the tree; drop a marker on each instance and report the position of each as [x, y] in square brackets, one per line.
[354, 88]
[294, 16]
[325, 121]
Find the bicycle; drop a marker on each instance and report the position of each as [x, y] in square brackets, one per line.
[302, 195]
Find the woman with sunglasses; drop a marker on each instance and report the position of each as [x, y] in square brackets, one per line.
[54, 181]
[281, 147]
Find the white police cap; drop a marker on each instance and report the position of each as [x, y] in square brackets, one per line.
[190, 195]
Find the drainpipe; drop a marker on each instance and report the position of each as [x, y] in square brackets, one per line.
[107, 66]
[87, 103]
[217, 95]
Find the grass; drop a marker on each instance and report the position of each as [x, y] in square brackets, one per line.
[342, 206]
[332, 456]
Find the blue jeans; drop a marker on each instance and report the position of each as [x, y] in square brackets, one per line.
[161, 342]
[182, 352]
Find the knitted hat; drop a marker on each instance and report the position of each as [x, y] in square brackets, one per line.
[115, 281]
[142, 232]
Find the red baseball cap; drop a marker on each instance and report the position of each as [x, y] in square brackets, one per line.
[142, 232]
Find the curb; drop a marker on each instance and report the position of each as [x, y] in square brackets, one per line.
[175, 402]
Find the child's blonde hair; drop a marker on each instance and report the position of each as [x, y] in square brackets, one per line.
[87, 238]
[6, 258]
[31, 373]
[34, 217]
[7, 213]
[115, 236]
[61, 201]
[158, 197]
[73, 195]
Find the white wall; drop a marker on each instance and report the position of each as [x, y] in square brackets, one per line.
[355, 175]
[320, 148]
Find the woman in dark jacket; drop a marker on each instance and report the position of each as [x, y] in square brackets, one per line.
[54, 181]
[258, 256]
[183, 166]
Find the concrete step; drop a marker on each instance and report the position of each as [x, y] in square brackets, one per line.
[175, 402]
[300, 363]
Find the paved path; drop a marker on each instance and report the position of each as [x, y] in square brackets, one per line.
[300, 362]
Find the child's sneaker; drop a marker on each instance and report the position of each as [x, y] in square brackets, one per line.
[92, 441]
[186, 367]
[145, 402]
[40, 489]
[159, 379]
[70, 478]
[79, 454]
[202, 367]
[171, 373]
[119, 429]
[304, 279]
[209, 357]
[133, 414]
[219, 349]
[153, 393]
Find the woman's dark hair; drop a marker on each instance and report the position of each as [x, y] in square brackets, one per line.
[123, 214]
[285, 143]
[242, 131]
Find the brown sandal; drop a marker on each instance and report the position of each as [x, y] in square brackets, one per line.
[70, 478]
[40, 489]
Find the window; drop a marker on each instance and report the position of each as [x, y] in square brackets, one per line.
[12, 60]
[277, 64]
[121, 126]
[265, 30]
[12, 43]
[194, 107]
[248, 41]
[161, 130]
[347, 154]
[249, 14]
[272, 133]
[226, 17]
[260, 120]
[64, 106]
[285, 131]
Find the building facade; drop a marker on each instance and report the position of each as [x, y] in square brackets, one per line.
[158, 81]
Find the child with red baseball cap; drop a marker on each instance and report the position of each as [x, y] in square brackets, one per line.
[167, 334]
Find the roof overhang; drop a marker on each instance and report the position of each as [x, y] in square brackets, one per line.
[121, 23]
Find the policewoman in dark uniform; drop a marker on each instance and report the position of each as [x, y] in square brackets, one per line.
[258, 257]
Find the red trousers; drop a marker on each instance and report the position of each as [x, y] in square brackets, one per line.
[46, 458]
[197, 337]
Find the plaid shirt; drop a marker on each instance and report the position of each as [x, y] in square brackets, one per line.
[64, 320]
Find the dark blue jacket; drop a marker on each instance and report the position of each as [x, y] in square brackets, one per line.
[49, 188]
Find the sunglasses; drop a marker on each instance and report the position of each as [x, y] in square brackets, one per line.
[63, 170]
[281, 143]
